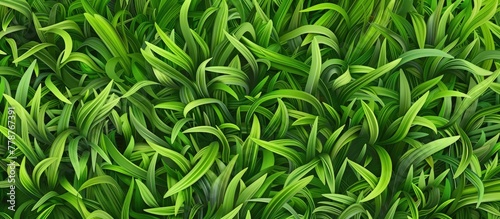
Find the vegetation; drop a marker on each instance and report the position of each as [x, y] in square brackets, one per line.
[251, 108]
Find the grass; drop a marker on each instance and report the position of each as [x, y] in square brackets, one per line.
[250, 108]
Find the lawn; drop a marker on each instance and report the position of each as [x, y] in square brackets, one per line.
[263, 109]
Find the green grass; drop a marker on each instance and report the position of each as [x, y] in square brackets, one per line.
[251, 108]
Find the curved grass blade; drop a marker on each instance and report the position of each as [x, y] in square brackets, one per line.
[55, 91]
[385, 177]
[372, 123]
[417, 155]
[315, 72]
[208, 156]
[282, 197]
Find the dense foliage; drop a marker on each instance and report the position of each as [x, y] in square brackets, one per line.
[251, 108]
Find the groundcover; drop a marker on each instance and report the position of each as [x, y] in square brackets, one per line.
[267, 109]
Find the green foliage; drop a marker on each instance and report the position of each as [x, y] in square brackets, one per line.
[251, 108]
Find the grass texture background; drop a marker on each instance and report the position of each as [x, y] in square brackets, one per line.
[251, 108]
